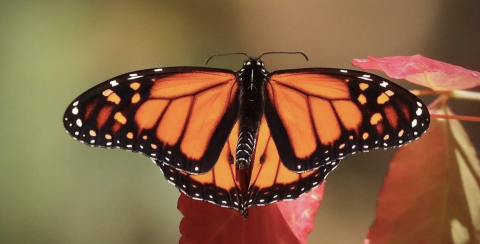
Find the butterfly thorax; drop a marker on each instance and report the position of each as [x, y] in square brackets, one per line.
[251, 80]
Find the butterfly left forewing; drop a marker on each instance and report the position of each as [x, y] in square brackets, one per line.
[180, 115]
[319, 115]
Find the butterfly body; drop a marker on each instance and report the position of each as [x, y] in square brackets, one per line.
[252, 78]
[246, 138]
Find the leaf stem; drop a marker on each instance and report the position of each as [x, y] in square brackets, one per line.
[468, 95]
[460, 94]
[457, 117]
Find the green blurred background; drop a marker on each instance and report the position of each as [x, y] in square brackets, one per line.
[56, 190]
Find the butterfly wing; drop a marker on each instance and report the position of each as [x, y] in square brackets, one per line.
[217, 186]
[319, 115]
[271, 181]
[181, 116]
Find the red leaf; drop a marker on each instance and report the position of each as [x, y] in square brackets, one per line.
[206, 223]
[427, 72]
[432, 190]
[300, 213]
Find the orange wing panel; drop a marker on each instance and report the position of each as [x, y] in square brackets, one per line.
[295, 115]
[326, 123]
[149, 112]
[103, 115]
[183, 84]
[224, 170]
[207, 111]
[174, 119]
[392, 116]
[349, 114]
[332, 88]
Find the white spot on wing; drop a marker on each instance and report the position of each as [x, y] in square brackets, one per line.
[364, 78]
[158, 70]
[414, 122]
[79, 122]
[343, 71]
[134, 76]
[419, 111]
[384, 84]
[114, 83]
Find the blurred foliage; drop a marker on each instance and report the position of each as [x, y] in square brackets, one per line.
[55, 190]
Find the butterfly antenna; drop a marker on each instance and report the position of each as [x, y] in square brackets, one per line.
[225, 54]
[301, 53]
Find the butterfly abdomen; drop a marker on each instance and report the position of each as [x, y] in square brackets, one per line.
[252, 104]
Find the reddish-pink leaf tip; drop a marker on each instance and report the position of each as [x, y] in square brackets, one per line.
[427, 72]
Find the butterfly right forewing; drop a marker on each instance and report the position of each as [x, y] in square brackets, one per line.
[320, 115]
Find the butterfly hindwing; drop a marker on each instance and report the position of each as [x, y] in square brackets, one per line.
[270, 180]
[219, 185]
[320, 115]
[180, 115]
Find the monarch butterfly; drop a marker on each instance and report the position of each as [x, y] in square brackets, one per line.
[251, 137]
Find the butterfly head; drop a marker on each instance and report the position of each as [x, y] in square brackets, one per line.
[253, 63]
